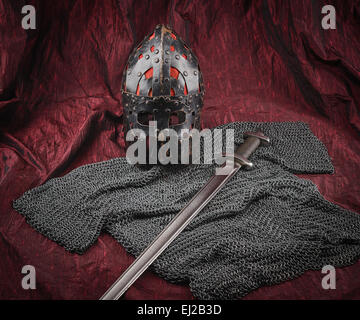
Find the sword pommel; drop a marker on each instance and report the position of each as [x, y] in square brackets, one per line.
[264, 140]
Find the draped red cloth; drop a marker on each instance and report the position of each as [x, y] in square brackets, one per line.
[60, 107]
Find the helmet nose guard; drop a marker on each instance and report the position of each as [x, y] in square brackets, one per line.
[162, 82]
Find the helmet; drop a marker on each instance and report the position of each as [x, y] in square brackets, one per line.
[162, 82]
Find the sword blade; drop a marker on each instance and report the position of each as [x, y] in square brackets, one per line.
[184, 217]
[171, 231]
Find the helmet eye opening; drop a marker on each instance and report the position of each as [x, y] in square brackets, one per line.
[177, 118]
[145, 117]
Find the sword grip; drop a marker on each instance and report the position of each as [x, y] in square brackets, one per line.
[251, 143]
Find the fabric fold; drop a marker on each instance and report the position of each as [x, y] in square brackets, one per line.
[264, 227]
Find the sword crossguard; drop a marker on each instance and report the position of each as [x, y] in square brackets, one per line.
[238, 158]
[251, 143]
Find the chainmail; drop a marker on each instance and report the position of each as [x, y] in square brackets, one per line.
[265, 226]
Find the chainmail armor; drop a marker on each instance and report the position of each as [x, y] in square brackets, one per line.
[265, 226]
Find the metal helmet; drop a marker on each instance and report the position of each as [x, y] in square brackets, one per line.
[162, 82]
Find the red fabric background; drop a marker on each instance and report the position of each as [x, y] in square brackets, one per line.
[60, 107]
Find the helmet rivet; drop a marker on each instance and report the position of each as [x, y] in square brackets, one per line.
[167, 52]
[166, 60]
[167, 110]
[185, 73]
[139, 74]
[147, 57]
[177, 57]
[195, 73]
[156, 51]
[157, 60]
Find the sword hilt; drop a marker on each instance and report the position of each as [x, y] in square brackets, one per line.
[252, 141]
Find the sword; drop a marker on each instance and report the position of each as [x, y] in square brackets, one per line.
[183, 218]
